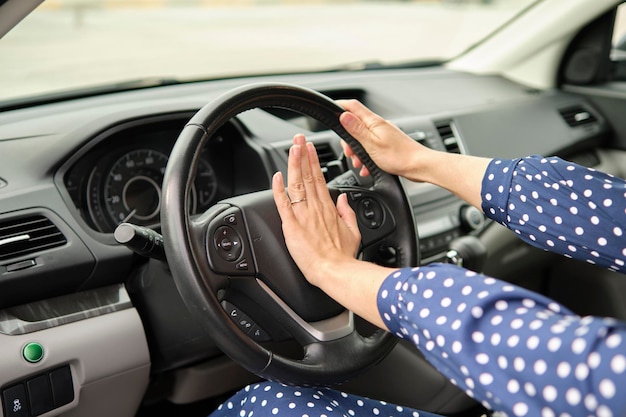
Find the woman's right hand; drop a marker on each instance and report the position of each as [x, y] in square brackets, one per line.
[390, 148]
[395, 152]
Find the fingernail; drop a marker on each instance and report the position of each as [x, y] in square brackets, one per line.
[347, 120]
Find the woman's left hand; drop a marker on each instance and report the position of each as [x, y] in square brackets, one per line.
[318, 233]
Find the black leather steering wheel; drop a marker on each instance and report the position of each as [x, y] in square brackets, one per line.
[234, 272]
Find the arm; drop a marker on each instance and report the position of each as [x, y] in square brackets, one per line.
[510, 348]
[395, 152]
[559, 206]
[549, 203]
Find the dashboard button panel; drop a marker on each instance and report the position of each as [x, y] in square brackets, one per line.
[39, 393]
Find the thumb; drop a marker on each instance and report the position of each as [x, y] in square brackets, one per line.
[347, 214]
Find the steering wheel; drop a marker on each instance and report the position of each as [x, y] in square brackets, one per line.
[233, 270]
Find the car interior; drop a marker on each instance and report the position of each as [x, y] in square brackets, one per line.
[142, 266]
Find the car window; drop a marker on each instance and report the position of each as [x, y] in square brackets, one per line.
[618, 50]
[67, 44]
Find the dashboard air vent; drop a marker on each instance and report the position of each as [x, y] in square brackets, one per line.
[577, 116]
[325, 153]
[448, 137]
[26, 235]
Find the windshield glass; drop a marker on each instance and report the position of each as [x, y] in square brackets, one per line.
[69, 44]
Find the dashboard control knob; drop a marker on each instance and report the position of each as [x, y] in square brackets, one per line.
[471, 218]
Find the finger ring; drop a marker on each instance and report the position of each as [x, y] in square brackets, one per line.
[298, 201]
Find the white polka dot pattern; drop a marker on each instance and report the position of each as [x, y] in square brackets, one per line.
[513, 350]
[561, 207]
[269, 399]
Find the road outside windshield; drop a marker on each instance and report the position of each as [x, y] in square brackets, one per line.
[68, 44]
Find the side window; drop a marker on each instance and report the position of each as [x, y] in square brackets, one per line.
[618, 44]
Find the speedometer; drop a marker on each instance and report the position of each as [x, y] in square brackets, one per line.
[128, 189]
[132, 188]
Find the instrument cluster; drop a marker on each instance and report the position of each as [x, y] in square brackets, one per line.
[119, 179]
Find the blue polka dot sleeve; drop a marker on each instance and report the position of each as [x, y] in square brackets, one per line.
[514, 350]
[559, 206]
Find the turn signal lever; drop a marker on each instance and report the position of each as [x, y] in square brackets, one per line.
[468, 252]
[141, 240]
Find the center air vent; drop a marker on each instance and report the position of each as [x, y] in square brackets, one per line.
[577, 116]
[449, 137]
[26, 235]
[325, 153]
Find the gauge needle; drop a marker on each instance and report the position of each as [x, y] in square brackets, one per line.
[131, 214]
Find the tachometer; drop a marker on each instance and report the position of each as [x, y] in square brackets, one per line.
[129, 189]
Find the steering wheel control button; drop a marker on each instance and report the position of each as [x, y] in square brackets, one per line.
[228, 243]
[258, 334]
[370, 213]
[356, 195]
[245, 323]
[15, 401]
[232, 311]
[33, 352]
[243, 265]
[230, 219]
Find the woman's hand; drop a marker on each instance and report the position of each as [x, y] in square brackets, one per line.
[395, 152]
[317, 232]
[323, 238]
[391, 149]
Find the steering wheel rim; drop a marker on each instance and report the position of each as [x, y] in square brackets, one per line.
[325, 361]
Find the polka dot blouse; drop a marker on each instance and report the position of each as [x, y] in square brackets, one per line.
[515, 351]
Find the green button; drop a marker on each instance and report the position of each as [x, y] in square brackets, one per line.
[33, 352]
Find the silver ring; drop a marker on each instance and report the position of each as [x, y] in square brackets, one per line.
[298, 201]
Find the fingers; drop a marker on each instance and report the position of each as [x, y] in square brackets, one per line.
[283, 203]
[319, 182]
[360, 122]
[356, 162]
[304, 172]
[295, 172]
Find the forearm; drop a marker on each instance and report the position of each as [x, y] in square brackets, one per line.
[460, 174]
[355, 285]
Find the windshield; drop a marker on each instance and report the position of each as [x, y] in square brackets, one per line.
[69, 44]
